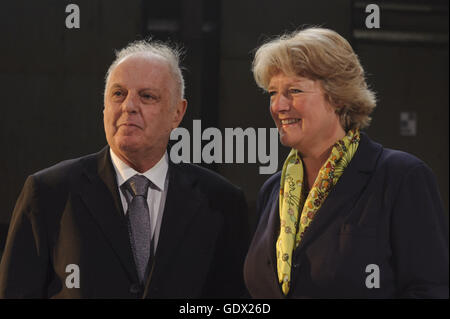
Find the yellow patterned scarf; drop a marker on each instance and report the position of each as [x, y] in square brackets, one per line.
[293, 199]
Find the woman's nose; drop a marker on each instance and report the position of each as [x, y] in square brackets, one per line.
[280, 103]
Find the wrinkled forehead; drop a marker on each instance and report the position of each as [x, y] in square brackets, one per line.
[139, 69]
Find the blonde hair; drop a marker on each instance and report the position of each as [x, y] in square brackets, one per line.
[320, 54]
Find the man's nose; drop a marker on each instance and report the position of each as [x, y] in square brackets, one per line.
[280, 103]
[130, 104]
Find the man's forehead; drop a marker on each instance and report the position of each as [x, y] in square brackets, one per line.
[144, 57]
[140, 66]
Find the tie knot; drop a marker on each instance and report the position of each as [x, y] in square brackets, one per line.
[138, 185]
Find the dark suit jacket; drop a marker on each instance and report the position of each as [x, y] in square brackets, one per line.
[71, 213]
[384, 210]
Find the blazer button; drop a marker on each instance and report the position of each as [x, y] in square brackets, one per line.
[135, 289]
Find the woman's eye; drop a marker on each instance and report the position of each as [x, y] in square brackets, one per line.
[294, 91]
[272, 93]
[117, 93]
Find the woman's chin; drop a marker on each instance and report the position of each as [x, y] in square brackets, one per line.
[288, 140]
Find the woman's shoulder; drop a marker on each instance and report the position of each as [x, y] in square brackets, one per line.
[392, 160]
[271, 183]
[400, 161]
[271, 186]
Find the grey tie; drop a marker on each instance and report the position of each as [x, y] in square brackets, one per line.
[135, 190]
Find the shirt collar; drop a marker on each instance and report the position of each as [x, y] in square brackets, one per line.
[156, 174]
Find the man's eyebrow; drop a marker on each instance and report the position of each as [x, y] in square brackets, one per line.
[120, 86]
[153, 91]
[116, 85]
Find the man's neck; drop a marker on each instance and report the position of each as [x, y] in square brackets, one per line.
[140, 162]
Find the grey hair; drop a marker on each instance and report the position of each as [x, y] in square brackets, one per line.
[169, 53]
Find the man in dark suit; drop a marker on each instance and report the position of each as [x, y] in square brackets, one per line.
[126, 222]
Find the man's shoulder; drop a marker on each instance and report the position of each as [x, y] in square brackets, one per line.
[65, 170]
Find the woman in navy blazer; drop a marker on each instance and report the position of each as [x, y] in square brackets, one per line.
[346, 217]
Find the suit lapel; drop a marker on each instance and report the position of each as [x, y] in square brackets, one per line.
[182, 204]
[100, 194]
[355, 177]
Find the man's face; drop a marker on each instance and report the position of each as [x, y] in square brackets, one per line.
[141, 106]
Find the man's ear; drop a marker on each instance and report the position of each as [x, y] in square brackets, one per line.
[179, 113]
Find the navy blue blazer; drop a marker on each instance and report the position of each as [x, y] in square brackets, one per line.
[381, 233]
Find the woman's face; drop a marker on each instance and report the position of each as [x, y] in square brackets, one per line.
[305, 120]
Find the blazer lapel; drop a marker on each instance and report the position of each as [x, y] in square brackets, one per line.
[182, 203]
[355, 177]
[274, 230]
[101, 196]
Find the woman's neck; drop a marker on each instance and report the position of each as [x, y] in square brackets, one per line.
[313, 163]
[315, 157]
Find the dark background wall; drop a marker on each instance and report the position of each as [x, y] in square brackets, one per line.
[52, 77]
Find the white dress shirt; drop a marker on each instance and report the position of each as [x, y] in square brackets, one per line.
[156, 198]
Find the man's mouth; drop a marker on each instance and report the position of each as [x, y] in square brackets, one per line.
[128, 124]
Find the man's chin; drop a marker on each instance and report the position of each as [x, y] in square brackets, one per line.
[128, 145]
